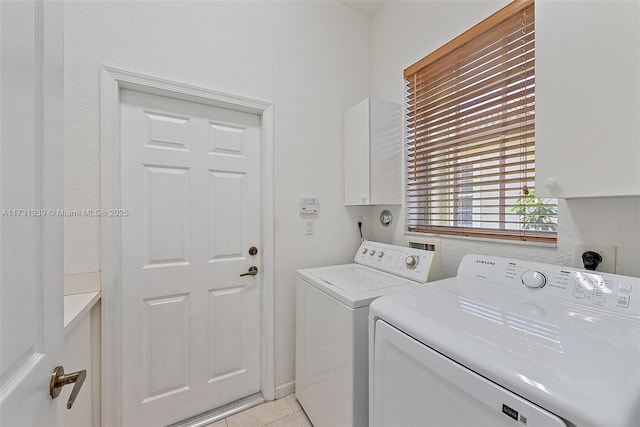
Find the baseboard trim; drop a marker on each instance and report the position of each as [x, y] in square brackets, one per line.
[285, 389]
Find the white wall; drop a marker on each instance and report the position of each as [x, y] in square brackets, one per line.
[405, 31]
[310, 59]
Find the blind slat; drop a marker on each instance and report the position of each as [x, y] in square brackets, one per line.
[488, 108]
[470, 167]
[475, 180]
[464, 141]
[473, 147]
[512, 45]
[517, 69]
[474, 95]
[463, 126]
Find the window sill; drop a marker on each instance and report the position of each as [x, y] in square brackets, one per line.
[409, 234]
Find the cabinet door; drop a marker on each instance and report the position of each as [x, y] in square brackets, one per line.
[587, 99]
[386, 151]
[372, 153]
[356, 154]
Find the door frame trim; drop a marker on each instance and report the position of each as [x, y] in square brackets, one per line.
[112, 80]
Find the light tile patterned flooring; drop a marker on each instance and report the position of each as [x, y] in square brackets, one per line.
[284, 412]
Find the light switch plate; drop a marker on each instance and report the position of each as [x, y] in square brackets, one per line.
[608, 253]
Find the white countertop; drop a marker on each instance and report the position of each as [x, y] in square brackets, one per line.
[77, 306]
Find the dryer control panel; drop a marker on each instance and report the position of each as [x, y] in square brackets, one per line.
[414, 264]
[601, 290]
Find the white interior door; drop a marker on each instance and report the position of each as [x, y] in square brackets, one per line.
[31, 180]
[190, 322]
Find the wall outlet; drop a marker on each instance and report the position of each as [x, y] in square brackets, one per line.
[608, 253]
[356, 220]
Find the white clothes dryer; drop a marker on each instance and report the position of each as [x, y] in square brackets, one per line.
[332, 308]
[508, 343]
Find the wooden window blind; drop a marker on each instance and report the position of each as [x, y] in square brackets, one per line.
[470, 124]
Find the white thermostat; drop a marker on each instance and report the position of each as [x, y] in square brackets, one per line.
[309, 205]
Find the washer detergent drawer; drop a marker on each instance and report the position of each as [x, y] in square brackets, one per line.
[415, 386]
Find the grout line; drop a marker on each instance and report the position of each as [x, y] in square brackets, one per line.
[291, 412]
[289, 403]
[301, 410]
[288, 415]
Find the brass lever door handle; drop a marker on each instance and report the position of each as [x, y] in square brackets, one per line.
[253, 270]
[59, 380]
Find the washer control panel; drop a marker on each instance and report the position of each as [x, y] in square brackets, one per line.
[414, 264]
[602, 290]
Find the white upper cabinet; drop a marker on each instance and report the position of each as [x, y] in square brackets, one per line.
[372, 153]
[587, 98]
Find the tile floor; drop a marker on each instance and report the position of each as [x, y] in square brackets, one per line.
[284, 412]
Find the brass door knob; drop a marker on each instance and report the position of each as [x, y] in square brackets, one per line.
[253, 270]
[59, 380]
[253, 250]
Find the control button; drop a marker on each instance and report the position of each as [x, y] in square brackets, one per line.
[411, 261]
[598, 301]
[364, 250]
[624, 287]
[533, 279]
[372, 251]
[623, 300]
[380, 254]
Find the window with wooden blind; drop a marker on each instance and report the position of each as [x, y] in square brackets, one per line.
[470, 123]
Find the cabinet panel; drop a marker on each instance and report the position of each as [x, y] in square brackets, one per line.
[587, 99]
[356, 155]
[385, 153]
[372, 150]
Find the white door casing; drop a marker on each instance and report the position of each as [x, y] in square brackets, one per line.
[31, 186]
[175, 267]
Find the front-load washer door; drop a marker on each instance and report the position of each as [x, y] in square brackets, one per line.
[413, 385]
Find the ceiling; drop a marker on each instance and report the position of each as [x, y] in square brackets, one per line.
[366, 7]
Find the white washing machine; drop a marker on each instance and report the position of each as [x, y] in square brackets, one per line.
[332, 308]
[508, 343]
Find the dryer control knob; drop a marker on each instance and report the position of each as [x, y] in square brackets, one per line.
[364, 250]
[411, 261]
[533, 279]
[372, 252]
